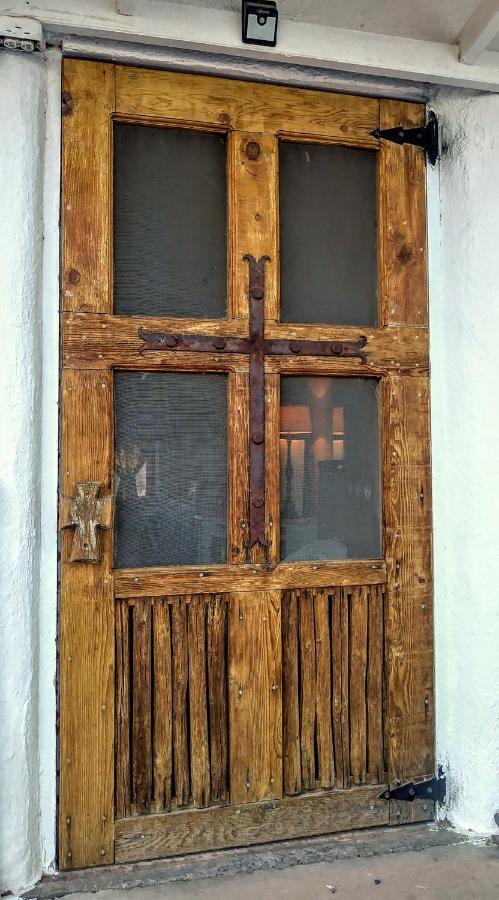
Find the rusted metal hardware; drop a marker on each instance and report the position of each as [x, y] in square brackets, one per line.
[162, 340]
[431, 789]
[86, 512]
[318, 348]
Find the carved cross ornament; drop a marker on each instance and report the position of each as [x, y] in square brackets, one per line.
[257, 347]
[86, 512]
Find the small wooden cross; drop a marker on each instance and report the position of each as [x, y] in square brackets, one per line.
[86, 513]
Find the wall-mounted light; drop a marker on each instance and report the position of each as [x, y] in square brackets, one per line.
[260, 23]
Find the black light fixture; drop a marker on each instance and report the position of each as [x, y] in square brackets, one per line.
[260, 23]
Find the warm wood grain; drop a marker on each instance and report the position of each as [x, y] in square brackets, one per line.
[374, 686]
[358, 679]
[162, 705]
[339, 673]
[324, 733]
[237, 476]
[195, 831]
[169, 580]
[253, 200]
[180, 679]
[217, 695]
[198, 707]
[86, 178]
[255, 696]
[402, 221]
[141, 708]
[307, 689]
[344, 663]
[218, 103]
[290, 695]
[122, 713]
[272, 467]
[86, 634]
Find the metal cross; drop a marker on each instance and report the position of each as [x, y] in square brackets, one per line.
[258, 348]
[86, 513]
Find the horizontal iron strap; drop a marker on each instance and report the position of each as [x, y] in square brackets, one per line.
[162, 340]
[316, 348]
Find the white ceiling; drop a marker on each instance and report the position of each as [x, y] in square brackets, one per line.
[429, 20]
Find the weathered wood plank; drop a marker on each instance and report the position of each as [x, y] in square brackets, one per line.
[375, 762]
[122, 712]
[86, 179]
[87, 636]
[198, 697]
[162, 705]
[217, 696]
[272, 466]
[194, 831]
[246, 106]
[325, 752]
[290, 694]
[141, 708]
[255, 713]
[158, 582]
[358, 673]
[238, 486]
[307, 689]
[345, 682]
[337, 685]
[402, 221]
[180, 680]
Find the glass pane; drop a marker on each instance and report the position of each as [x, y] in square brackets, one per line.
[328, 234]
[330, 468]
[170, 469]
[170, 222]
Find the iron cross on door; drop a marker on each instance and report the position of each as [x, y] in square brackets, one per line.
[258, 348]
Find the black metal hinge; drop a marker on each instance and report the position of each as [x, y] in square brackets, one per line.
[426, 136]
[431, 789]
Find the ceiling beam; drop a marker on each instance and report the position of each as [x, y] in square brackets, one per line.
[480, 29]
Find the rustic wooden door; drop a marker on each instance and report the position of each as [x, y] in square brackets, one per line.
[246, 602]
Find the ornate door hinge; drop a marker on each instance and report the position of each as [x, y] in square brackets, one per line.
[429, 789]
[86, 512]
[425, 136]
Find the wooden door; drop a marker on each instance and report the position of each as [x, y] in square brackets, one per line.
[246, 601]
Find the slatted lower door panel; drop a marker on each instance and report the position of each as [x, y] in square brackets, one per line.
[171, 703]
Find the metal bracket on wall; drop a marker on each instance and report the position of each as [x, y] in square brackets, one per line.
[429, 789]
[425, 136]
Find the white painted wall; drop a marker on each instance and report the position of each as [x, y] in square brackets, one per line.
[28, 467]
[464, 322]
[464, 304]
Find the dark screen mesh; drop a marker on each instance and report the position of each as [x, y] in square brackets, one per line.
[170, 469]
[170, 222]
[327, 201]
[330, 468]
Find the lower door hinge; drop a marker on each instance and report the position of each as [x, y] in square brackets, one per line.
[430, 789]
[425, 136]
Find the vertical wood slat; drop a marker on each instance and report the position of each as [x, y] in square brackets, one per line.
[87, 636]
[358, 677]
[290, 690]
[86, 179]
[238, 486]
[337, 679]
[255, 713]
[122, 712]
[325, 752]
[162, 706]
[217, 695]
[375, 762]
[198, 707]
[180, 681]
[141, 707]
[307, 686]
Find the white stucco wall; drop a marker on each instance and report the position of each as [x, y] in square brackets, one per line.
[464, 322]
[464, 306]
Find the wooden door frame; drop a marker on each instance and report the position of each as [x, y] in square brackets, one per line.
[397, 353]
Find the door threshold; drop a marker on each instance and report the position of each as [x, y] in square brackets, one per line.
[243, 860]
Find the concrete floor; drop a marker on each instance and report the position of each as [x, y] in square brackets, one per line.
[460, 872]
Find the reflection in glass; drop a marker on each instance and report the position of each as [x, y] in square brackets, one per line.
[330, 468]
[170, 469]
[170, 222]
[328, 238]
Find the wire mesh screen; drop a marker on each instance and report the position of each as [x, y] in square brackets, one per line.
[328, 234]
[170, 222]
[330, 468]
[170, 469]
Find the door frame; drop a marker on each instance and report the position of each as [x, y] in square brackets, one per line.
[86, 811]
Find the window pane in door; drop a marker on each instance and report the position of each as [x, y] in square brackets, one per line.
[327, 199]
[330, 468]
[170, 222]
[170, 469]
